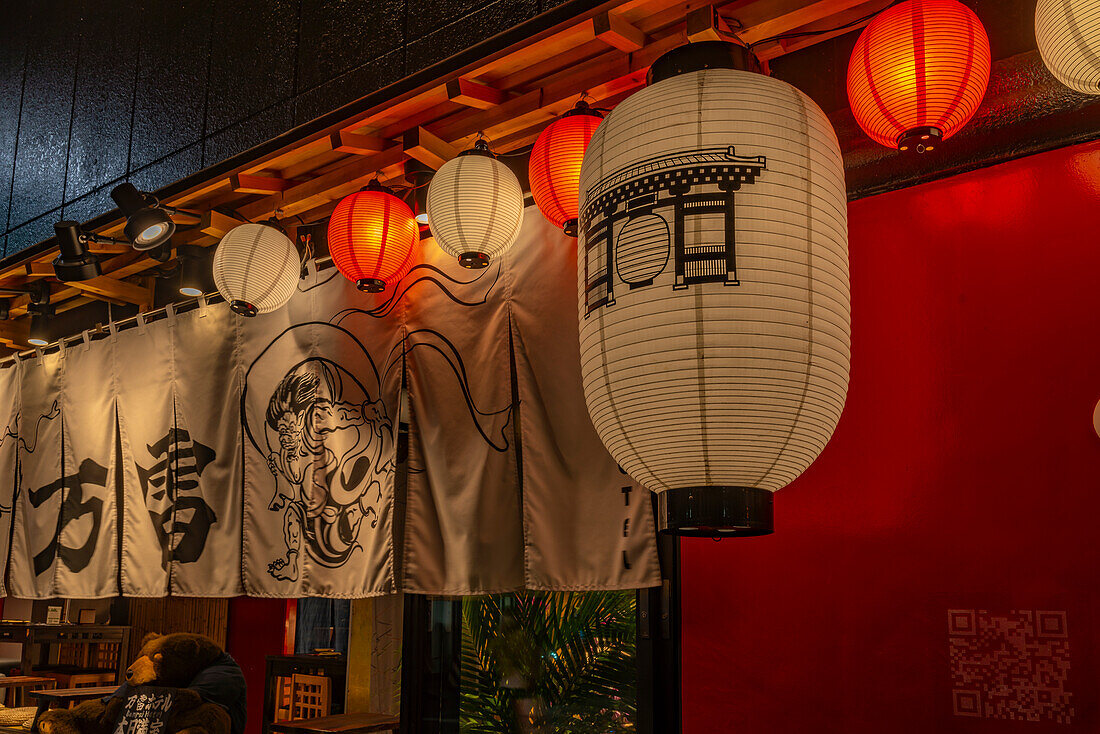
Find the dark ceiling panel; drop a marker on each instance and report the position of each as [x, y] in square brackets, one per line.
[337, 36]
[43, 141]
[247, 133]
[173, 57]
[473, 28]
[99, 145]
[13, 35]
[358, 82]
[252, 56]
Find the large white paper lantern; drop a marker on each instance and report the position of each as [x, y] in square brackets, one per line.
[1068, 35]
[256, 269]
[713, 269]
[475, 207]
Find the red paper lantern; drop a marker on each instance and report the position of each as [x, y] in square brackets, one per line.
[555, 168]
[371, 237]
[918, 73]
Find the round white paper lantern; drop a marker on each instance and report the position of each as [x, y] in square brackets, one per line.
[475, 207]
[1068, 35]
[715, 343]
[256, 269]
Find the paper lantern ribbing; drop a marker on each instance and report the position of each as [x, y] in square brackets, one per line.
[1068, 35]
[918, 73]
[714, 342]
[256, 268]
[475, 207]
[372, 237]
[555, 166]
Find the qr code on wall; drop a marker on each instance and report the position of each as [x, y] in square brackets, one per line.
[1010, 666]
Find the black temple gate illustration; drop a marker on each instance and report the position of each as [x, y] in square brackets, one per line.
[637, 216]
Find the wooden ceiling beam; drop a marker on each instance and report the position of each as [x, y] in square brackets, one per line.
[117, 290]
[343, 141]
[427, 147]
[247, 183]
[216, 224]
[705, 24]
[474, 94]
[617, 32]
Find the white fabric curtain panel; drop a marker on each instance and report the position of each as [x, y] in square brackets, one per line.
[9, 440]
[261, 455]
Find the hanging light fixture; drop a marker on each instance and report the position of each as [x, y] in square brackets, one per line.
[74, 263]
[41, 312]
[918, 73]
[148, 224]
[256, 268]
[372, 236]
[555, 166]
[475, 206]
[713, 287]
[1068, 35]
[193, 270]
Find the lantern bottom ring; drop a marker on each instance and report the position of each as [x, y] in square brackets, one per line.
[570, 227]
[244, 308]
[920, 139]
[473, 260]
[715, 512]
[371, 285]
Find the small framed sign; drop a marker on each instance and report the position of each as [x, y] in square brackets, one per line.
[53, 615]
[86, 616]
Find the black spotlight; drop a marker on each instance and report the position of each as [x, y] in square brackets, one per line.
[148, 224]
[41, 311]
[5, 309]
[193, 267]
[74, 262]
[418, 175]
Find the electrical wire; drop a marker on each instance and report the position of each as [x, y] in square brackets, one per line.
[822, 32]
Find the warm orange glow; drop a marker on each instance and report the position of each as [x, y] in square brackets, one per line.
[920, 67]
[555, 168]
[372, 236]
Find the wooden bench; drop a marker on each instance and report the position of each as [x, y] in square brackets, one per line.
[15, 687]
[63, 697]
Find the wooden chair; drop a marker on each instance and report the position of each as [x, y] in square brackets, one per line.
[284, 698]
[311, 696]
[105, 655]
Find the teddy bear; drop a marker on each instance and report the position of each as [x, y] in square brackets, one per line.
[180, 684]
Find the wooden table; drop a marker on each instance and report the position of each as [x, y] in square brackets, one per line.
[339, 724]
[19, 683]
[65, 696]
[285, 666]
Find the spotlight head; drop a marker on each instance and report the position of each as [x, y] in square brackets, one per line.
[41, 332]
[193, 269]
[5, 309]
[75, 262]
[148, 224]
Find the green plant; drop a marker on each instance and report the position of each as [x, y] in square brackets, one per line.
[551, 663]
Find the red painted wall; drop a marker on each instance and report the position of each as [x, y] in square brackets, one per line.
[964, 475]
[256, 630]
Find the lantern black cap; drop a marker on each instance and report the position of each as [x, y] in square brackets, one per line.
[371, 285]
[480, 148]
[699, 56]
[715, 512]
[75, 262]
[583, 108]
[920, 139]
[244, 308]
[473, 260]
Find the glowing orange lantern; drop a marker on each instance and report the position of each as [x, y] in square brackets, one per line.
[555, 168]
[918, 73]
[371, 237]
